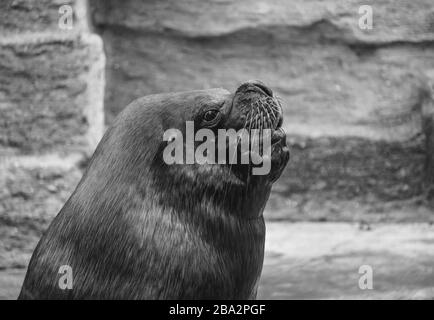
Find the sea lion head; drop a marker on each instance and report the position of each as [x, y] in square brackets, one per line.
[140, 139]
[143, 131]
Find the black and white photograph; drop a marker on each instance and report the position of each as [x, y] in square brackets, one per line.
[216, 150]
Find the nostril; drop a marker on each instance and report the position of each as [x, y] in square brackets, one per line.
[261, 86]
[265, 89]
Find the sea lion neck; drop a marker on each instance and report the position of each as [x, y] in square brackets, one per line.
[211, 191]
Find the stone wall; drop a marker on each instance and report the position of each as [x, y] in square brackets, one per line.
[358, 103]
[51, 106]
[355, 100]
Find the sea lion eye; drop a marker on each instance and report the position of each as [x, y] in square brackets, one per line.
[211, 115]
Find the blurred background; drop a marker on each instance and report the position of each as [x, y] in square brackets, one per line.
[356, 80]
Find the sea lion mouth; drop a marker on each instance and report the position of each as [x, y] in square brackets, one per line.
[278, 137]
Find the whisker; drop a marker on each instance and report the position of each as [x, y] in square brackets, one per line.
[256, 106]
[270, 114]
[274, 107]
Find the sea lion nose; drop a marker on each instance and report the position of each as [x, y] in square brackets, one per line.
[255, 85]
[262, 86]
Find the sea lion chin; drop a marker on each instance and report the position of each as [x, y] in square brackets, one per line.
[139, 228]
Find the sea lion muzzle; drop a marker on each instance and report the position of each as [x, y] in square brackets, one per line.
[257, 109]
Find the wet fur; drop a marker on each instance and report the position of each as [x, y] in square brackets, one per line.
[136, 228]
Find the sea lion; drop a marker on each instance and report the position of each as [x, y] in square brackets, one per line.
[138, 228]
